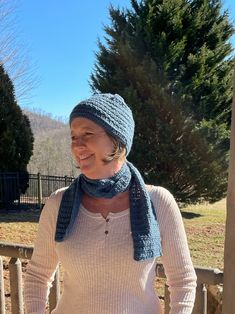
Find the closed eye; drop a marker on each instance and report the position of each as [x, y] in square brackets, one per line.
[82, 136]
[88, 134]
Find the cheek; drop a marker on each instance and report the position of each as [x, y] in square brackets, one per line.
[73, 149]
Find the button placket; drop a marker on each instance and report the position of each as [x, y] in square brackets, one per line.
[107, 226]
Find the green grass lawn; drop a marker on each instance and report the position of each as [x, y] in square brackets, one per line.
[204, 223]
[205, 226]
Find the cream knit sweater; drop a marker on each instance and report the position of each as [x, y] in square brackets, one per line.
[101, 276]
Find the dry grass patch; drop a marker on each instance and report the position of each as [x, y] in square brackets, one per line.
[19, 227]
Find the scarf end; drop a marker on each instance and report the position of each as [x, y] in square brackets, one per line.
[142, 256]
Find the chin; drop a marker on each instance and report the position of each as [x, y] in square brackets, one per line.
[88, 174]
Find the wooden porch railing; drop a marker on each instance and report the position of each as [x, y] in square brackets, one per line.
[205, 277]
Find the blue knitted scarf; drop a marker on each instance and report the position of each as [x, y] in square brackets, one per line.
[144, 225]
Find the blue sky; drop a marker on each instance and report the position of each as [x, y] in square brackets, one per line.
[60, 40]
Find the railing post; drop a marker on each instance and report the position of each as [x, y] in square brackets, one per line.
[199, 301]
[204, 290]
[2, 290]
[229, 256]
[166, 299]
[16, 286]
[39, 190]
[54, 291]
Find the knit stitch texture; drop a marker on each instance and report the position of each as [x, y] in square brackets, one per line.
[110, 112]
[144, 225]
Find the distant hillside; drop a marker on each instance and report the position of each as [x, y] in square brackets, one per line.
[42, 122]
[51, 154]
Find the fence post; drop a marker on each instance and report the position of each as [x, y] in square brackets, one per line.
[55, 291]
[39, 191]
[16, 286]
[2, 291]
[18, 191]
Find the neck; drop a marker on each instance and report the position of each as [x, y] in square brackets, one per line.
[110, 169]
[117, 203]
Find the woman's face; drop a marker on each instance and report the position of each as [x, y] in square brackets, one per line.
[90, 146]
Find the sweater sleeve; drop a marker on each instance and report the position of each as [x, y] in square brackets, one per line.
[179, 270]
[41, 268]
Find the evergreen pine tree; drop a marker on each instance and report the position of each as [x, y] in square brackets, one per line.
[171, 61]
[16, 138]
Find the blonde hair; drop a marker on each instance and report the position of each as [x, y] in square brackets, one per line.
[119, 151]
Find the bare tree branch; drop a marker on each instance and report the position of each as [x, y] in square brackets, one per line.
[13, 56]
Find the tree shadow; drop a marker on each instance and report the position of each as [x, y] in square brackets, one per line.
[25, 214]
[20, 214]
[190, 215]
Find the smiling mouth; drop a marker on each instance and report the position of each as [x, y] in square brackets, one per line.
[84, 157]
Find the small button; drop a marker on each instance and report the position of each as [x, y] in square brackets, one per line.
[107, 220]
[106, 232]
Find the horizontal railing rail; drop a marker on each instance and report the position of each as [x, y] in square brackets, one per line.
[205, 278]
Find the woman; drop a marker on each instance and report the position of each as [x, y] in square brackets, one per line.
[107, 228]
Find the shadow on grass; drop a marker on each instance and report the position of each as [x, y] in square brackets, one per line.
[19, 217]
[20, 214]
[24, 214]
[190, 215]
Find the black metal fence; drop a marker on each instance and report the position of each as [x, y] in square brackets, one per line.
[20, 190]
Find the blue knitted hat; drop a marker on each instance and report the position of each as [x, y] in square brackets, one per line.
[111, 113]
